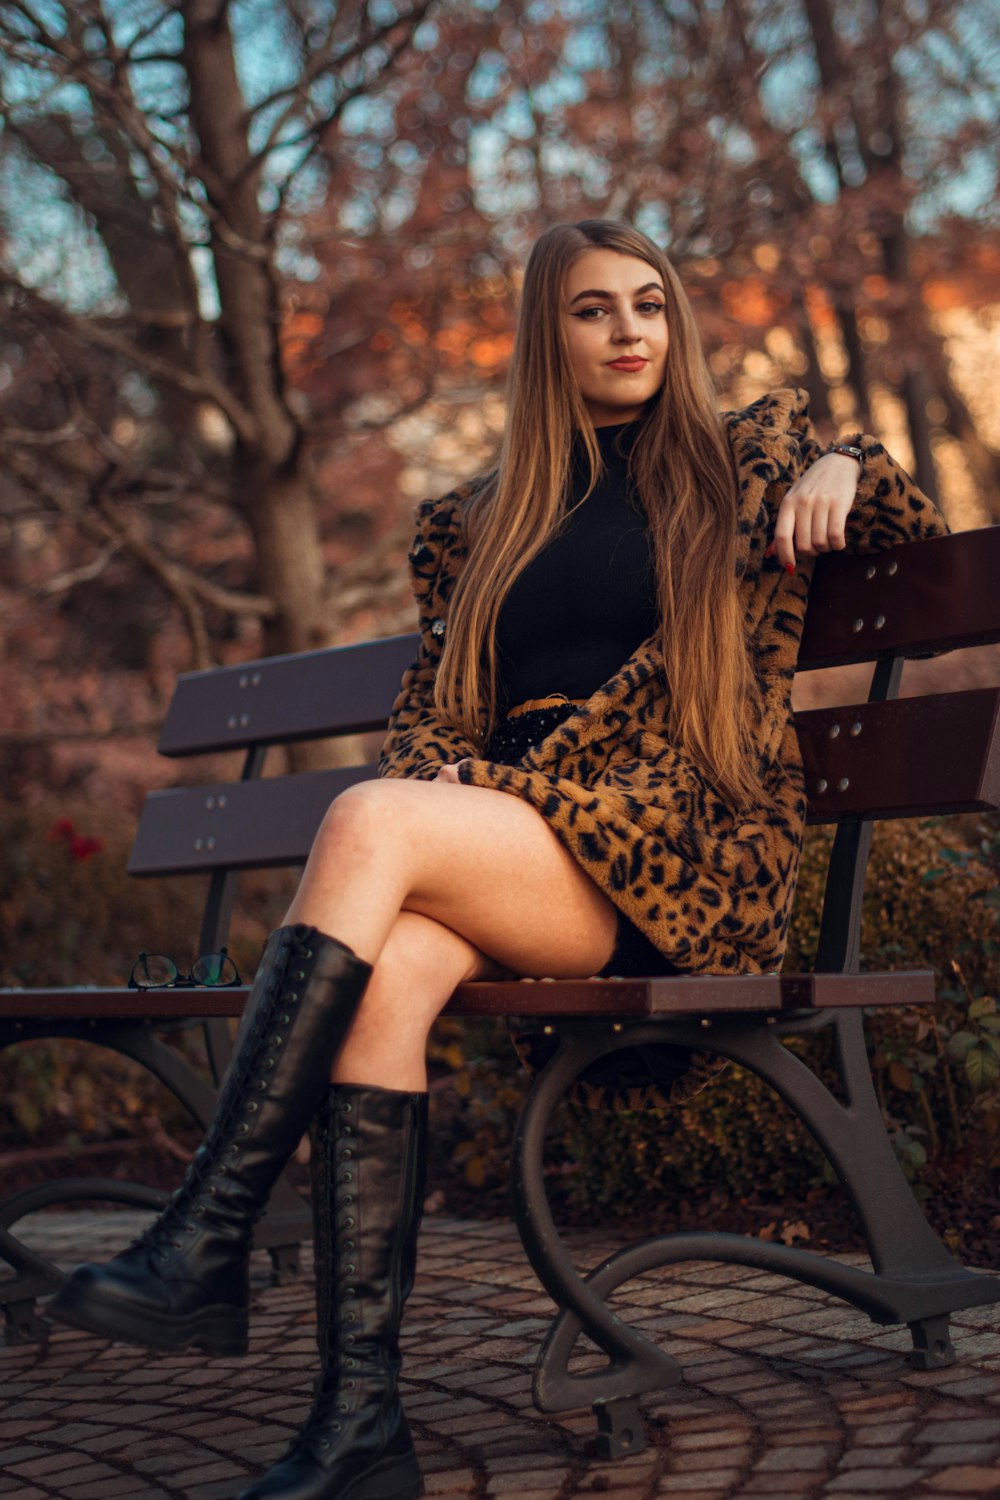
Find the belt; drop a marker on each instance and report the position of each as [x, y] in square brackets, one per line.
[554, 700]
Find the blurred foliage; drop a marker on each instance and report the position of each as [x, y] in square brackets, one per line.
[69, 915]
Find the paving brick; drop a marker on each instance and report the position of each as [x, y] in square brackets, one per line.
[961, 1430]
[712, 1481]
[49, 1463]
[805, 1458]
[21, 1451]
[875, 1481]
[944, 1455]
[97, 1489]
[796, 1484]
[873, 1458]
[964, 1479]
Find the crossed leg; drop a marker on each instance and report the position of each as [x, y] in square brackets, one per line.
[436, 883]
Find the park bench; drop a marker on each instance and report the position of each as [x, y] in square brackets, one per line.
[885, 758]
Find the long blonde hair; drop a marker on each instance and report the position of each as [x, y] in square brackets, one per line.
[684, 474]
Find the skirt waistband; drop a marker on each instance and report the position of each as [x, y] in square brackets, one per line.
[554, 700]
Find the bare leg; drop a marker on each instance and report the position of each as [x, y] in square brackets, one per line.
[420, 965]
[435, 883]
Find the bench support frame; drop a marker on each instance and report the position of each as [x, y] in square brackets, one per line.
[914, 1279]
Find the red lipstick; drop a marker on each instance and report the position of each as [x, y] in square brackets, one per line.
[628, 362]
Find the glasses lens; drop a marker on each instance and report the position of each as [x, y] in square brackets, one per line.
[154, 971]
[214, 968]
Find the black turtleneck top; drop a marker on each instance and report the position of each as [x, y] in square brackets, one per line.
[584, 604]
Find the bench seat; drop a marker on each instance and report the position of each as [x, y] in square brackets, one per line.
[696, 995]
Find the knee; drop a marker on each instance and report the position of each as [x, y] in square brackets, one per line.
[420, 964]
[361, 816]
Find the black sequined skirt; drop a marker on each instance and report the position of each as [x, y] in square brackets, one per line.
[630, 1067]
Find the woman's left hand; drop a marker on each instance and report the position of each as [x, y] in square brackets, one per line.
[813, 512]
[449, 773]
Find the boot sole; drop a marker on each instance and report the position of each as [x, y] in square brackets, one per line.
[218, 1332]
[397, 1482]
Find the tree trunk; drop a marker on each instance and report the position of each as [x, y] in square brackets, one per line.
[290, 568]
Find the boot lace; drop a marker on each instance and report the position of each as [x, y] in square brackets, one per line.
[175, 1217]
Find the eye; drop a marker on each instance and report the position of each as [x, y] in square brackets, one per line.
[585, 313]
[651, 309]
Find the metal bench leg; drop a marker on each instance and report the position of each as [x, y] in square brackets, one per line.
[932, 1345]
[619, 1428]
[635, 1364]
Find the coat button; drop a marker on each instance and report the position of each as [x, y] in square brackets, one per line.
[437, 628]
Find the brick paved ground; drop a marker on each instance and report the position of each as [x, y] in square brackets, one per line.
[787, 1393]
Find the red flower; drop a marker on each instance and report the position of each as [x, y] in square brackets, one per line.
[82, 846]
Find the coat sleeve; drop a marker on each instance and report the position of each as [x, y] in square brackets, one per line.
[419, 739]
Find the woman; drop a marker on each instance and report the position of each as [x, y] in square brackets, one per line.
[628, 539]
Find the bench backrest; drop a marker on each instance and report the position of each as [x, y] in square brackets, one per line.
[888, 757]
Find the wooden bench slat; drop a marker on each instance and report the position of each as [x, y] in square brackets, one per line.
[119, 1003]
[929, 596]
[668, 995]
[237, 825]
[935, 754]
[823, 991]
[278, 699]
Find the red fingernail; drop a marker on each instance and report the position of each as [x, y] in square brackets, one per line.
[769, 550]
[789, 567]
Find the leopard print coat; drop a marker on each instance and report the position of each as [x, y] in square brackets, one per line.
[710, 886]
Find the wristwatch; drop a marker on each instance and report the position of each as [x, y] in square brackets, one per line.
[851, 449]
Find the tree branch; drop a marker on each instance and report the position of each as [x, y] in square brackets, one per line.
[90, 331]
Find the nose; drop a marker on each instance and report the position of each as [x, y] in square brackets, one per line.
[626, 328]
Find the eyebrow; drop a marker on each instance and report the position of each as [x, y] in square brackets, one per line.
[651, 286]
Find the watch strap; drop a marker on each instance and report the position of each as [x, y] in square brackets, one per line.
[851, 449]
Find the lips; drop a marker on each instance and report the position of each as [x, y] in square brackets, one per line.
[633, 363]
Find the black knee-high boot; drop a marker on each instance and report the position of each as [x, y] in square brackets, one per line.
[185, 1279]
[369, 1175]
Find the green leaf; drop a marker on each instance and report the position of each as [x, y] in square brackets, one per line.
[960, 1043]
[982, 1067]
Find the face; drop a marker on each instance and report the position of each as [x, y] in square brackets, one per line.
[615, 322]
